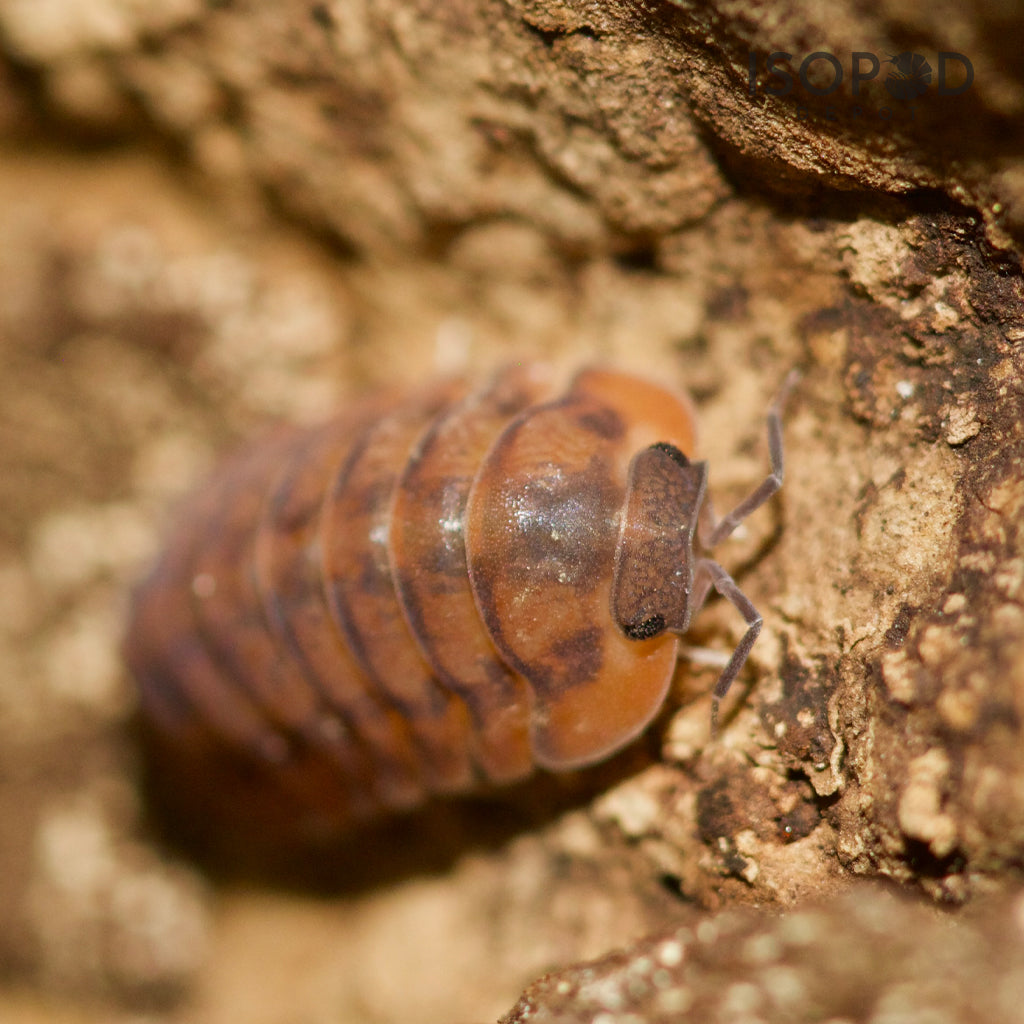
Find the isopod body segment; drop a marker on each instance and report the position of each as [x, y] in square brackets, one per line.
[436, 590]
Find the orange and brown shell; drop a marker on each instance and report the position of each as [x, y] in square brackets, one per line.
[418, 596]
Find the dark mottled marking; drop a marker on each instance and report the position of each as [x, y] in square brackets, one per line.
[581, 653]
[321, 14]
[604, 423]
[897, 633]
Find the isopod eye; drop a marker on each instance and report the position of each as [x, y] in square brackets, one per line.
[646, 629]
[654, 556]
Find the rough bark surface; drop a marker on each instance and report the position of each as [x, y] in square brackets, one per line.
[808, 965]
[215, 215]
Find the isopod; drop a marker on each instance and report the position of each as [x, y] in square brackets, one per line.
[436, 591]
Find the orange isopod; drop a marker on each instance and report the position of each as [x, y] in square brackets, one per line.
[437, 590]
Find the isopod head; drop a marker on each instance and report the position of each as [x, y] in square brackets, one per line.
[580, 539]
[653, 579]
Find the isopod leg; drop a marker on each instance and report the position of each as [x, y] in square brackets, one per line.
[710, 574]
[711, 532]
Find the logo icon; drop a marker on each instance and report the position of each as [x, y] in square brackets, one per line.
[909, 76]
